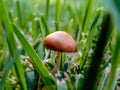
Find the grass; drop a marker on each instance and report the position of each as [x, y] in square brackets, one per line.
[26, 64]
[8, 67]
[17, 70]
[105, 34]
[37, 62]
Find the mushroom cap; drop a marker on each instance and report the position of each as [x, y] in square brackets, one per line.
[60, 41]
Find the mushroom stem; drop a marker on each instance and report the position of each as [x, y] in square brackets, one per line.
[57, 66]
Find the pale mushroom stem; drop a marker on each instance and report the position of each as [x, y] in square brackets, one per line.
[57, 66]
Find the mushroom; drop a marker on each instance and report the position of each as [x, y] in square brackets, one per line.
[59, 41]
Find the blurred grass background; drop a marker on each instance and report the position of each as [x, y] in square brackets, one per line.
[26, 64]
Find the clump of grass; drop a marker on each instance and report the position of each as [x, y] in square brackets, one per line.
[94, 63]
[17, 70]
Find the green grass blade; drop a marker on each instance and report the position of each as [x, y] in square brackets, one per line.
[114, 9]
[36, 27]
[43, 19]
[70, 26]
[103, 79]
[58, 6]
[106, 31]
[47, 8]
[37, 62]
[57, 25]
[89, 39]
[86, 20]
[115, 64]
[8, 67]
[19, 12]
[12, 45]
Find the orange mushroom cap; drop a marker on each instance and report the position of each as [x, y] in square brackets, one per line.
[60, 41]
